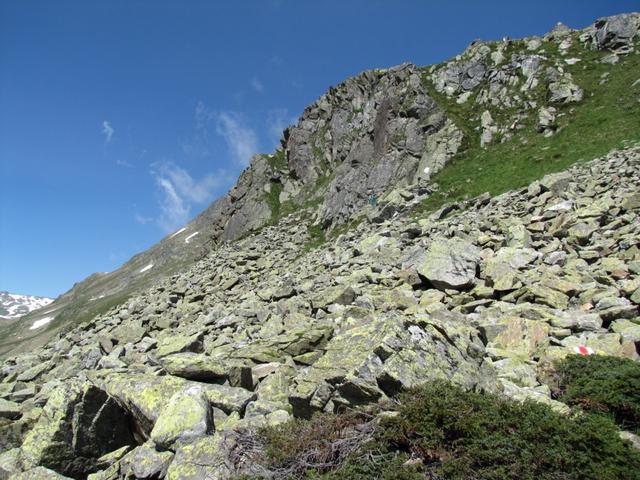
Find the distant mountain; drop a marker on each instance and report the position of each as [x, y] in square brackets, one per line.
[13, 305]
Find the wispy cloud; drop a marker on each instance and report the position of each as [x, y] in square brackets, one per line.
[198, 142]
[175, 211]
[141, 219]
[179, 191]
[277, 121]
[257, 85]
[123, 163]
[241, 140]
[107, 130]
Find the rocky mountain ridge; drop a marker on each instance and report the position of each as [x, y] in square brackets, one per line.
[486, 292]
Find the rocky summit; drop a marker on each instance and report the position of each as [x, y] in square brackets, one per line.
[332, 282]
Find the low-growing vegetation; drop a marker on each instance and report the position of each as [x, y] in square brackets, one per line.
[278, 161]
[317, 237]
[601, 384]
[605, 119]
[440, 431]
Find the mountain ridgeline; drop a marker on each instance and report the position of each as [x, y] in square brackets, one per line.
[476, 221]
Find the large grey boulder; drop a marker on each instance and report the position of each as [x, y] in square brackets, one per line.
[450, 263]
[615, 32]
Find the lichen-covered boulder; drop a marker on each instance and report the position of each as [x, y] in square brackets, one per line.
[179, 343]
[510, 335]
[145, 396]
[206, 458]
[144, 462]
[382, 355]
[9, 462]
[38, 473]
[194, 366]
[10, 410]
[503, 269]
[78, 424]
[184, 418]
[450, 263]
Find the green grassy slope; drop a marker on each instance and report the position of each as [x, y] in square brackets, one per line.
[608, 117]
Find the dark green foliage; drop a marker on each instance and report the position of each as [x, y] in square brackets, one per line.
[273, 200]
[443, 432]
[602, 384]
[278, 161]
[464, 435]
[316, 237]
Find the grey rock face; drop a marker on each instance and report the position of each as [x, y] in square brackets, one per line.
[616, 32]
[367, 135]
[463, 76]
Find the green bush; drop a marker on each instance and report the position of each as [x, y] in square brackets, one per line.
[601, 383]
[443, 432]
[462, 435]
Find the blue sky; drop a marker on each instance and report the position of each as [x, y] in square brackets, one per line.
[121, 120]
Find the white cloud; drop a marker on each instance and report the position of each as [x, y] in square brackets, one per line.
[277, 121]
[107, 130]
[179, 191]
[257, 85]
[175, 211]
[141, 219]
[198, 142]
[241, 140]
[123, 163]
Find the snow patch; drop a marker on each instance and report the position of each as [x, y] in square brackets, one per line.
[186, 240]
[40, 323]
[14, 306]
[148, 267]
[178, 232]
